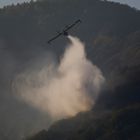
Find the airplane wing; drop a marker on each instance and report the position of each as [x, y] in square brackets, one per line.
[54, 38]
[69, 27]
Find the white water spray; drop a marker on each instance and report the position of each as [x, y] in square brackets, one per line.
[63, 90]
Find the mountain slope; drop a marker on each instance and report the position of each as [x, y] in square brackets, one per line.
[121, 124]
[110, 31]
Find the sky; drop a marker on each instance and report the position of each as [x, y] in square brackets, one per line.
[8, 2]
[132, 3]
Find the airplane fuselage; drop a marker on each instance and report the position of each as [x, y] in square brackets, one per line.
[65, 33]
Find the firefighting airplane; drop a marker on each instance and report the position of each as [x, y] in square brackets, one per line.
[64, 32]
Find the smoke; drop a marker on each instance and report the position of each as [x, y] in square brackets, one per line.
[62, 90]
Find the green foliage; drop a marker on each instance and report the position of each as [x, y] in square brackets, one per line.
[120, 124]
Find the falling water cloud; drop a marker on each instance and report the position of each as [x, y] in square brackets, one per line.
[61, 90]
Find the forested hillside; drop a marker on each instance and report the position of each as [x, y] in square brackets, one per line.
[111, 32]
